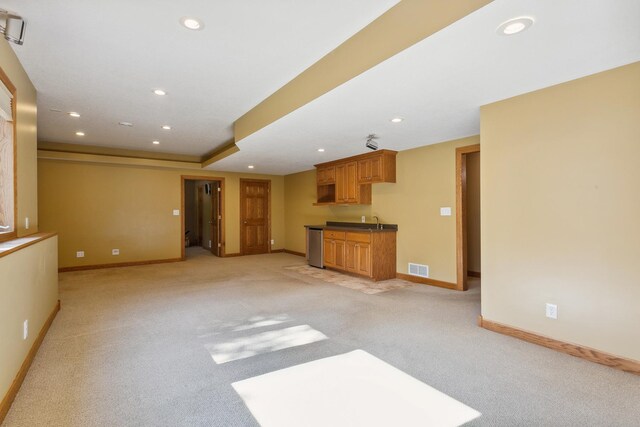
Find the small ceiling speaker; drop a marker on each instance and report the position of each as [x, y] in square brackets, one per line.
[12, 27]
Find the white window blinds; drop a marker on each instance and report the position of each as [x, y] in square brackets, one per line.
[5, 103]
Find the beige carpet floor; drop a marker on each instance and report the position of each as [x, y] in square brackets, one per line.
[135, 347]
[356, 283]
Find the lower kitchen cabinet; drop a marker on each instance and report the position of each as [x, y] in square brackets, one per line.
[367, 253]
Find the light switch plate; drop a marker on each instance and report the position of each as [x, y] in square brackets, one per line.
[115, 251]
[445, 211]
[80, 254]
[176, 212]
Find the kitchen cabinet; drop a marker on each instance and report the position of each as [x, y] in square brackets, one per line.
[334, 249]
[348, 181]
[371, 254]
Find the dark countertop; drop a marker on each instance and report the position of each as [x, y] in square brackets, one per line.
[355, 226]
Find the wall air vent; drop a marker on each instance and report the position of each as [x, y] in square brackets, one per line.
[418, 270]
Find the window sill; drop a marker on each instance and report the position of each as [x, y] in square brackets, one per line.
[14, 245]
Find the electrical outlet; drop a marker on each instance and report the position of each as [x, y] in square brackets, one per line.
[176, 212]
[273, 242]
[25, 329]
[363, 219]
[80, 254]
[115, 251]
[26, 223]
[446, 211]
[209, 244]
[552, 311]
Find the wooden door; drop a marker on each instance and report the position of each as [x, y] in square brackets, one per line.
[216, 218]
[255, 219]
[199, 239]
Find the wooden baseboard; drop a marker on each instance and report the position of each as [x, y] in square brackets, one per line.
[426, 281]
[302, 254]
[473, 274]
[617, 362]
[22, 373]
[232, 255]
[119, 264]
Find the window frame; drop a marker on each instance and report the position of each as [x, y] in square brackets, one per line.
[14, 101]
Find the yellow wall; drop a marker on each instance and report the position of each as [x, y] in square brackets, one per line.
[99, 207]
[560, 211]
[26, 120]
[29, 280]
[28, 291]
[473, 212]
[425, 182]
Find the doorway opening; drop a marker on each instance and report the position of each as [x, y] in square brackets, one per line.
[202, 215]
[468, 254]
[255, 216]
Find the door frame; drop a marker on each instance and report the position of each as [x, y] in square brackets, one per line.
[461, 214]
[241, 216]
[220, 180]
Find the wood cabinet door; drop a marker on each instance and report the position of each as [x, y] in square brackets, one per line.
[339, 253]
[350, 256]
[376, 173]
[341, 188]
[363, 264]
[364, 171]
[329, 255]
[327, 175]
[352, 185]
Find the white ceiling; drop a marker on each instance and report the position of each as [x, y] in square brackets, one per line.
[439, 84]
[103, 58]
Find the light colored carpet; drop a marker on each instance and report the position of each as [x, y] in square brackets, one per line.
[130, 347]
[359, 284]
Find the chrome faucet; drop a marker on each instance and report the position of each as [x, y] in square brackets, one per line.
[377, 223]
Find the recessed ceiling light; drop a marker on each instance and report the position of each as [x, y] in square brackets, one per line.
[250, 166]
[159, 92]
[74, 114]
[55, 110]
[321, 150]
[128, 124]
[192, 23]
[80, 133]
[156, 142]
[166, 127]
[397, 119]
[515, 25]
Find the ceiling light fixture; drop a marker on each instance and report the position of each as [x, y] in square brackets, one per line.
[156, 142]
[371, 141]
[515, 25]
[321, 150]
[127, 124]
[166, 127]
[74, 114]
[12, 27]
[250, 166]
[397, 119]
[191, 23]
[80, 133]
[159, 92]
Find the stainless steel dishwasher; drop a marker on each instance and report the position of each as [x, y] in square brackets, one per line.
[314, 247]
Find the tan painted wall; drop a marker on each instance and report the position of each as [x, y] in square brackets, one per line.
[425, 182]
[560, 211]
[98, 207]
[473, 212]
[26, 120]
[28, 290]
[29, 280]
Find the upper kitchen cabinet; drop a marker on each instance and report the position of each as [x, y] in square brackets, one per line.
[348, 181]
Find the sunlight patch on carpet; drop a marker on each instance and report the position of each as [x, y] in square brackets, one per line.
[264, 342]
[352, 389]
